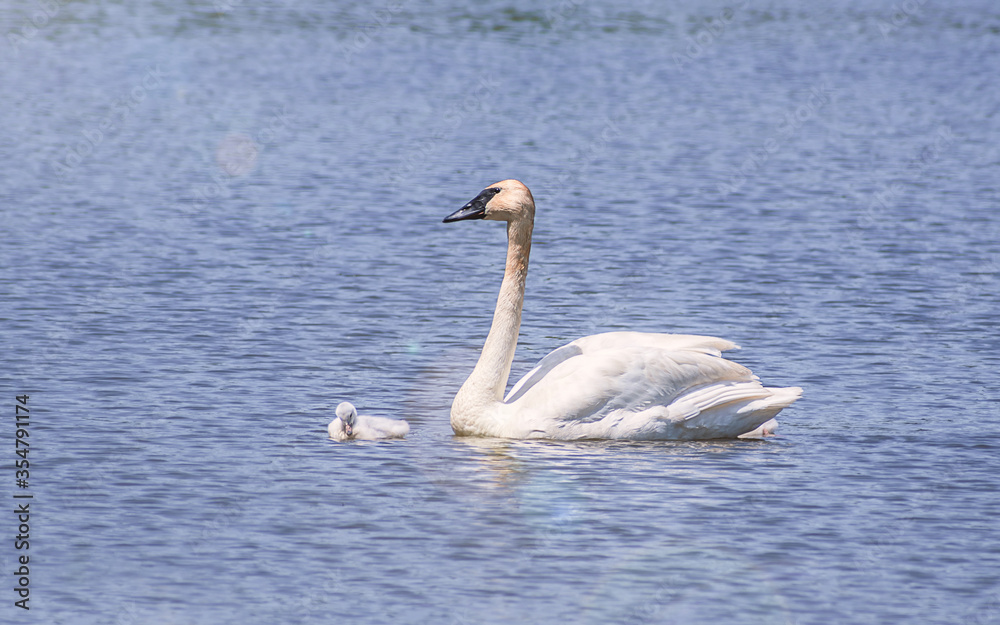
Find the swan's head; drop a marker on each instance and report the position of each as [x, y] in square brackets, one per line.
[342, 428]
[508, 200]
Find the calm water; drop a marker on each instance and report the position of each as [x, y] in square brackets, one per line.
[218, 223]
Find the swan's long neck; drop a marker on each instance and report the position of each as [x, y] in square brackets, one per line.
[488, 380]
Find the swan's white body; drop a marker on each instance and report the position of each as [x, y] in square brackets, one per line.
[349, 425]
[617, 385]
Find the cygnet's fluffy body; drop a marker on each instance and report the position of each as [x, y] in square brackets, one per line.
[349, 425]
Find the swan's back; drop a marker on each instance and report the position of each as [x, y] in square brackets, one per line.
[671, 342]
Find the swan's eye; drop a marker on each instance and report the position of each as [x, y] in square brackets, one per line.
[495, 189]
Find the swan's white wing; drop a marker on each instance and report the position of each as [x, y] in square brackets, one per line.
[634, 385]
[546, 364]
[669, 342]
[634, 379]
[616, 340]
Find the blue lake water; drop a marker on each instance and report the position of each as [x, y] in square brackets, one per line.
[221, 220]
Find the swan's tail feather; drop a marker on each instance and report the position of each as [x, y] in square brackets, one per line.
[779, 398]
[732, 408]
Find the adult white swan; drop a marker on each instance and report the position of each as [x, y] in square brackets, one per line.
[620, 385]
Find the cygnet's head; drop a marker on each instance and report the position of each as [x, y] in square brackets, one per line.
[508, 200]
[343, 426]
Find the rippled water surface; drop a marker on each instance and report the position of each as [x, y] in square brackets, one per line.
[220, 221]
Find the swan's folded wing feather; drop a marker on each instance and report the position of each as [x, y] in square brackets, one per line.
[546, 364]
[697, 400]
[617, 341]
[589, 387]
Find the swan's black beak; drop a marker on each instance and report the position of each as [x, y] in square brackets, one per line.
[476, 209]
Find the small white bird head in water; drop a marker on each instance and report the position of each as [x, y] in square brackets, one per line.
[342, 427]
